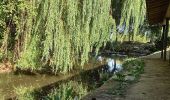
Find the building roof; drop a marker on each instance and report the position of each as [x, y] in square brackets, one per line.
[157, 11]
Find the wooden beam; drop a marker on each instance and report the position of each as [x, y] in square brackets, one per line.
[167, 31]
[157, 10]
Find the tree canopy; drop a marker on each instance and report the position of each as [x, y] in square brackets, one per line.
[61, 33]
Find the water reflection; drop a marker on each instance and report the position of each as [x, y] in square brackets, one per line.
[113, 66]
[78, 86]
[87, 79]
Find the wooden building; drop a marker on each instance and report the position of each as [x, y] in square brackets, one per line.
[158, 13]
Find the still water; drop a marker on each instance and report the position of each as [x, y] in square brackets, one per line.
[93, 75]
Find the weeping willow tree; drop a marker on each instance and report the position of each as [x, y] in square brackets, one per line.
[133, 15]
[54, 33]
[61, 33]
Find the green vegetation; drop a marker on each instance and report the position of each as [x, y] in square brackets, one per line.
[137, 38]
[61, 33]
[24, 93]
[55, 33]
[130, 17]
[104, 76]
[2, 96]
[66, 91]
[133, 15]
[132, 68]
[57, 36]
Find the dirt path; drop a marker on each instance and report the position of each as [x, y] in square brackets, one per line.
[154, 84]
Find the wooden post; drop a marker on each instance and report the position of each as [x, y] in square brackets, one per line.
[167, 31]
[162, 41]
[165, 38]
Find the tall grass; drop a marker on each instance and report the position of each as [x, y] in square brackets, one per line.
[69, 91]
[24, 93]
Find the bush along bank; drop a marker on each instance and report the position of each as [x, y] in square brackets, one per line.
[132, 69]
[68, 91]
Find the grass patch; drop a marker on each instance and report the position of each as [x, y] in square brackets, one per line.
[132, 69]
[68, 91]
[24, 93]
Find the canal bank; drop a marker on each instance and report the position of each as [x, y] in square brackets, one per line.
[92, 77]
[154, 83]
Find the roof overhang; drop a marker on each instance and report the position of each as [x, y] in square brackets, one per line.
[168, 12]
[167, 16]
[157, 11]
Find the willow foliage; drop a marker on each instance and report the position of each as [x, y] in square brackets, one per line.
[58, 33]
[133, 14]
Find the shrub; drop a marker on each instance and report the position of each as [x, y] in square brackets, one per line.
[133, 66]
